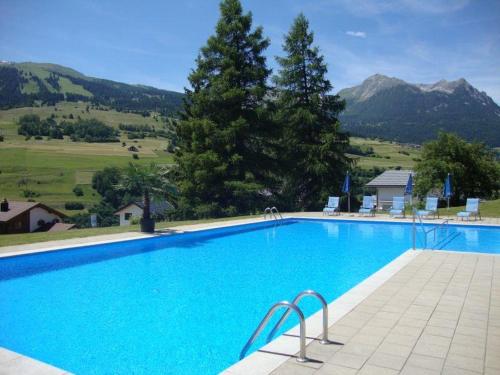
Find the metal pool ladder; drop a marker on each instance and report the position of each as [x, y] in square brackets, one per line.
[273, 213]
[291, 306]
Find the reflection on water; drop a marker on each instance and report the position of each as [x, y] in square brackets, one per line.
[332, 229]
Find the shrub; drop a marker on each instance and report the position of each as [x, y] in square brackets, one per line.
[1, 138]
[28, 193]
[135, 156]
[78, 191]
[74, 206]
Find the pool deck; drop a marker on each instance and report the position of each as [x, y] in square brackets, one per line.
[427, 312]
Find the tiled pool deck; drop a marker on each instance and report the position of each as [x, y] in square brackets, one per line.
[435, 312]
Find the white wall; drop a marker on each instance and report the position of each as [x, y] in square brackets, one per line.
[385, 195]
[132, 209]
[39, 213]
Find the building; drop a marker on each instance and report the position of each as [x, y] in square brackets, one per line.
[26, 217]
[391, 183]
[135, 210]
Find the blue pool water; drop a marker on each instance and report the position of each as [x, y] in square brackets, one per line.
[186, 304]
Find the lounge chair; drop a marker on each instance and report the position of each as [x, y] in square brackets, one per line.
[471, 209]
[431, 208]
[398, 207]
[367, 206]
[332, 207]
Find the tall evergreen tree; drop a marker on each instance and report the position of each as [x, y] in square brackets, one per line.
[313, 145]
[221, 163]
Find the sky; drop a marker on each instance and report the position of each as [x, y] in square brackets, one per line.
[155, 42]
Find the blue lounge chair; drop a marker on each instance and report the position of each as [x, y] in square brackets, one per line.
[367, 206]
[332, 207]
[431, 208]
[471, 209]
[398, 207]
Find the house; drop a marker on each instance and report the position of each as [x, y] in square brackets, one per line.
[26, 217]
[391, 183]
[135, 209]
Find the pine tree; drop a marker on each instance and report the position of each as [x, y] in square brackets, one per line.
[221, 161]
[313, 145]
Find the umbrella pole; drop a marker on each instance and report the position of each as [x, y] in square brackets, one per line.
[348, 202]
[448, 200]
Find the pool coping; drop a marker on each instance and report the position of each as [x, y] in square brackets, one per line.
[284, 346]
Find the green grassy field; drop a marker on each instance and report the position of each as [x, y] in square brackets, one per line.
[52, 168]
[389, 155]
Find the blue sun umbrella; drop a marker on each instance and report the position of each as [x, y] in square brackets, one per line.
[409, 187]
[447, 191]
[346, 188]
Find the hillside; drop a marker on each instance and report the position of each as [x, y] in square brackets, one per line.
[34, 84]
[392, 109]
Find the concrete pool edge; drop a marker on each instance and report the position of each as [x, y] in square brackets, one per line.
[261, 362]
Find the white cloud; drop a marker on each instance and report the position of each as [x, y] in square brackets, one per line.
[357, 34]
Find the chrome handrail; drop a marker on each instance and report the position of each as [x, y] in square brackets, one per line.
[273, 213]
[297, 299]
[425, 232]
[276, 212]
[302, 353]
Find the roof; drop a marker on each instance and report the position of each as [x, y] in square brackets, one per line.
[16, 208]
[155, 207]
[391, 178]
[59, 227]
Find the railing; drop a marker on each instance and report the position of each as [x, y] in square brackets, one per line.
[273, 213]
[291, 307]
[298, 298]
[302, 353]
[434, 229]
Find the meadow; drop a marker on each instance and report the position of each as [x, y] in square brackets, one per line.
[52, 168]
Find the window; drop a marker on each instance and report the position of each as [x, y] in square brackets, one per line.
[128, 215]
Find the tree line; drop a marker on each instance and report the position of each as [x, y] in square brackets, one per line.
[90, 130]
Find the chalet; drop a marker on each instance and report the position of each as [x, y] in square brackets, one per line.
[26, 217]
[391, 183]
[135, 210]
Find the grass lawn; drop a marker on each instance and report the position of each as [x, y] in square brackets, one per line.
[26, 238]
[388, 154]
[52, 168]
[487, 209]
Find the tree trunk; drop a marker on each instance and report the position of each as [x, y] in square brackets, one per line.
[147, 224]
[146, 214]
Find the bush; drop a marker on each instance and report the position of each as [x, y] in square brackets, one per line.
[74, 206]
[135, 156]
[78, 191]
[1, 138]
[28, 193]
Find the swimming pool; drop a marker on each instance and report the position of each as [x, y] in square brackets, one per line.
[187, 303]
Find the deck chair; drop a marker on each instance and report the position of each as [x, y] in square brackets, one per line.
[431, 208]
[471, 209]
[332, 207]
[367, 206]
[398, 207]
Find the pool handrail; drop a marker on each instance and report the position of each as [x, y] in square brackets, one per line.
[302, 327]
[306, 293]
[273, 213]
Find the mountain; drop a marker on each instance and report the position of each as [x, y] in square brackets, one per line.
[393, 109]
[29, 84]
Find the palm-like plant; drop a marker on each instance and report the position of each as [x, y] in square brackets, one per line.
[146, 181]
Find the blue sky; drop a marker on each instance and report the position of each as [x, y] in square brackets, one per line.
[155, 42]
